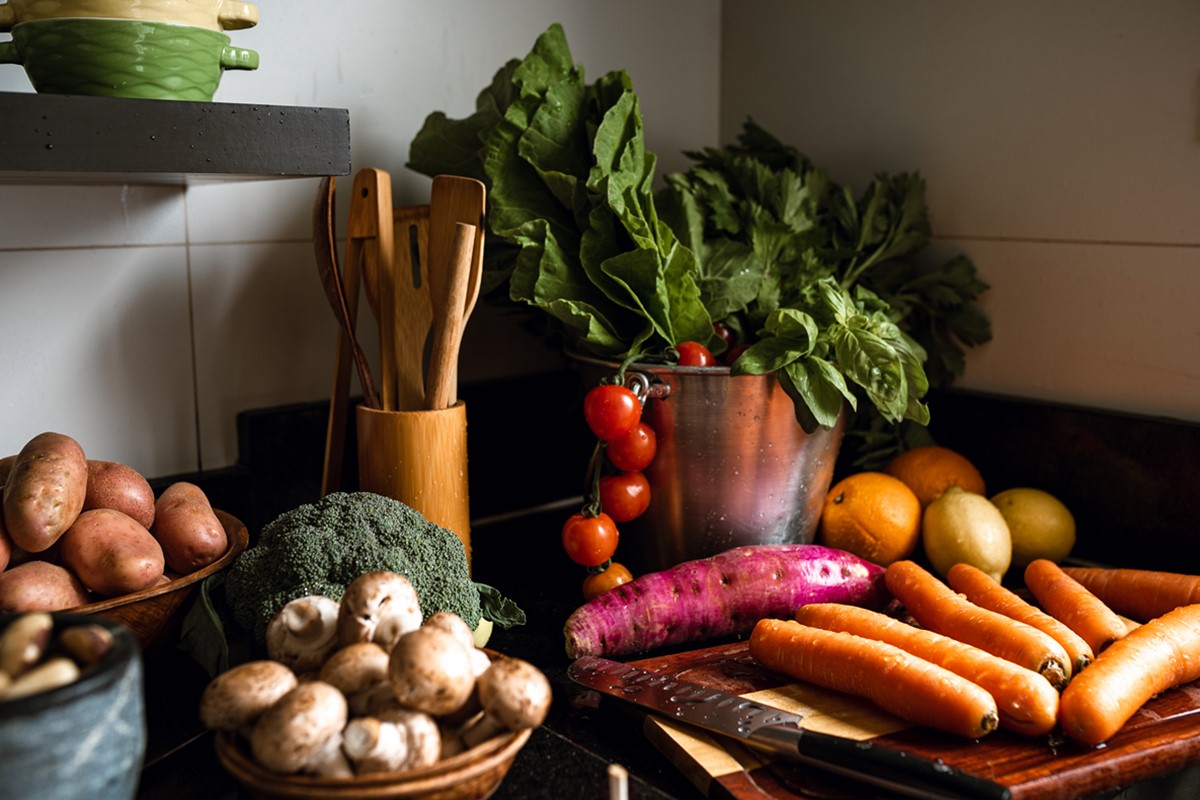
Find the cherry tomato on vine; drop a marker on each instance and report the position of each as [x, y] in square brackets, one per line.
[731, 355]
[694, 354]
[590, 541]
[726, 333]
[635, 450]
[611, 411]
[600, 582]
[626, 496]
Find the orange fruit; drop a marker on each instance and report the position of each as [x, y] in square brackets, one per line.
[931, 469]
[872, 515]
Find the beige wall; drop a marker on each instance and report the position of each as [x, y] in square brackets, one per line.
[1060, 142]
[141, 320]
[1061, 146]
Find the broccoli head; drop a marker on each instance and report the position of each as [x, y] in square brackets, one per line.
[319, 548]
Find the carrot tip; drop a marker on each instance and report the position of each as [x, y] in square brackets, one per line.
[1054, 671]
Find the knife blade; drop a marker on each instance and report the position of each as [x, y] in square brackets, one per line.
[779, 732]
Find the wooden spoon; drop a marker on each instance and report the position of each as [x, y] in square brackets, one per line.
[454, 199]
[448, 310]
[343, 301]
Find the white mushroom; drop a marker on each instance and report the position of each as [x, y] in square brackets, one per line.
[290, 735]
[515, 695]
[329, 760]
[303, 633]
[24, 642]
[405, 740]
[378, 607]
[360, 672]
[237, 697]
[431, 671]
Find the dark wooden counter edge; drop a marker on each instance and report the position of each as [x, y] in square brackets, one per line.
[72, 139]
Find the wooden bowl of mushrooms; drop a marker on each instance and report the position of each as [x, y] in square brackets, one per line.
[368, 698]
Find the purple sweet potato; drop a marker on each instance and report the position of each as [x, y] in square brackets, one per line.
[722, 595]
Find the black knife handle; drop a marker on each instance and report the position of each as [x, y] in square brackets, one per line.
[905, 773]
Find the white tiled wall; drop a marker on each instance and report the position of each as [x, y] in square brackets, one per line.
[1061, 146]
[1060, 142]
[141, 320]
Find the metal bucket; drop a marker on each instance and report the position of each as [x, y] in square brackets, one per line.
[733, 465]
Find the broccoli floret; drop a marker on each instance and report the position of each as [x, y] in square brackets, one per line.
[321, 547]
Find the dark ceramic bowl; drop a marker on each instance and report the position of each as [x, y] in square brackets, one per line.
[82, 741]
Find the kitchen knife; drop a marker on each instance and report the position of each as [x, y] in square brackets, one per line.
[777, 731]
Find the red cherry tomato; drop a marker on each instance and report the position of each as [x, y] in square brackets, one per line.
[731, 355]
[611, 411]
[694, 354]
[590, 541]
[635, 450]
[600, 582]
[626, 496]
[725, 332]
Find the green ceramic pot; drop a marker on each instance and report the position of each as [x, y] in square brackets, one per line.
[124, 58]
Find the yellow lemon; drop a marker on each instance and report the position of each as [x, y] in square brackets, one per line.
[965, 526]
[1039, 524]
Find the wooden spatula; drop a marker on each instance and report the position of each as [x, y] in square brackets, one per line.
[448, 313]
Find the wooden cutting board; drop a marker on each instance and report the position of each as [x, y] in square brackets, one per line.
[1164, 736]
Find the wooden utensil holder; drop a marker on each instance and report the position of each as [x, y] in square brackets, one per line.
[420, 459]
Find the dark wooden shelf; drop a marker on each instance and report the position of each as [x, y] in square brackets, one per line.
[75, 139]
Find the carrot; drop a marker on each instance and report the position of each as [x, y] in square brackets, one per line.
[939, 608]
[985, 591]
[1026, 702]
[898, 682]
[1163, 653]
[1139, 594]
[720, 595]
[1065, 599]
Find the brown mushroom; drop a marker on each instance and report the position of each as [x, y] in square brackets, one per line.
[237, 697]
[380, 607]
[303, 633]
[360, 672]
[291, 735]
[431, 671]
[515, 695]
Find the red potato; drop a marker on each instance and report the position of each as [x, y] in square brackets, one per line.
[114, 485]
[721, 595]
[40, 586]
[187, 528]
[112, 553]
[45, 490]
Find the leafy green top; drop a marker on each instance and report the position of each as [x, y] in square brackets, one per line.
[753, 236]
